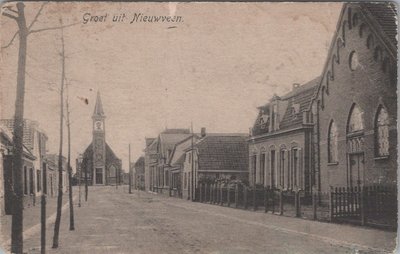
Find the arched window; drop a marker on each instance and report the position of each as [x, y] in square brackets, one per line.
[356, 120]
[382, 132]
[112, 171]
[332, 143]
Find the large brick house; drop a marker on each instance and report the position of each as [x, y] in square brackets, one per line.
[280, 141]
[355, 136]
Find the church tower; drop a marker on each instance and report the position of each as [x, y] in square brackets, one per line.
[99, 143]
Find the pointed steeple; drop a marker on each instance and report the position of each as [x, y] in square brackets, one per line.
[98, 109]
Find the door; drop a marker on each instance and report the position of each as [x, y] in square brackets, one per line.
[356, 162]
[99, 176]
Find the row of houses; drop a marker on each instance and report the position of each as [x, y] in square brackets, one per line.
[36, 160]
[337, 130]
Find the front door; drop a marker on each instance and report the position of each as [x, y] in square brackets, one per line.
[99, 176]
[356, 162]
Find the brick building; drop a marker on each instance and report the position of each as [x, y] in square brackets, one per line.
[280, 141]
[355, 136]
[29, 181]
[160, 152]
[34, 141]
[150, 158]
[103, 167]
[214, 157]
[176, 165]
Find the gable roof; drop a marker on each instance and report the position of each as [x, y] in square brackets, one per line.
[223, 152]
[178, 154]
[168, 140]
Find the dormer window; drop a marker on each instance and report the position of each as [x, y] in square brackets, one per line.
[295, 110]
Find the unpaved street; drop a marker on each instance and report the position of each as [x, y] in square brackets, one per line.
[113, 221]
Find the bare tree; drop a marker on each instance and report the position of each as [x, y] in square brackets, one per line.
[71, 204]
[23, 32]
[60, 162]
[17, 213]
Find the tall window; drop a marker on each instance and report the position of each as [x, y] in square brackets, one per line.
[25, 180]
[382, 132]
[262, 168]
[254, 167]
[185, 180]
[112, 171]
[38, 180]
[356, 120]
[274, 180]
[294, 167]
[31, 181]
[282, 168]
[332, 143]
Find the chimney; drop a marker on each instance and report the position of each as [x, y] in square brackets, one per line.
[203, 132]
[295, 86]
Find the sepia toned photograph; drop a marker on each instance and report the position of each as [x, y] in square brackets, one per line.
[198, 127]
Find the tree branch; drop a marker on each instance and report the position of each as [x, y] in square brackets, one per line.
[51, 28]
[9, 8]
[10, 16]
[37, 16]
[11, 41]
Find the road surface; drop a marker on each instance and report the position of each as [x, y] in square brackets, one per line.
[113, 221]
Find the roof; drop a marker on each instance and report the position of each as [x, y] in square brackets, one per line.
[98, 108]
[30, 127]
[301, 96]
[7, 137]
[178, 154]
[110, 155]
[294, 103]
[384, 14]
[167, 141]
[223, 152]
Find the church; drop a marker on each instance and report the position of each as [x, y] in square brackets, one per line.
[100, 165]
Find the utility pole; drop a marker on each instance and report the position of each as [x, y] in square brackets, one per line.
[130, 174]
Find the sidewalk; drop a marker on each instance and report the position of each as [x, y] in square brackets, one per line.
[355, 237]
[31, 218]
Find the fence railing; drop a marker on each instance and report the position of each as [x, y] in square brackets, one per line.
[375, 205]
[367, 204]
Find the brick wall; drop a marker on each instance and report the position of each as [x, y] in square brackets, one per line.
[368, 86]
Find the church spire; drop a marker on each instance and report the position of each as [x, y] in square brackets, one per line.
[98, 109]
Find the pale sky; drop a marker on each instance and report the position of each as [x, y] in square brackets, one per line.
[212, 69]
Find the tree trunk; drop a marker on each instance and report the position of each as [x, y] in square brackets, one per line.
[17, 216]
[60, 169]
[71, 204]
